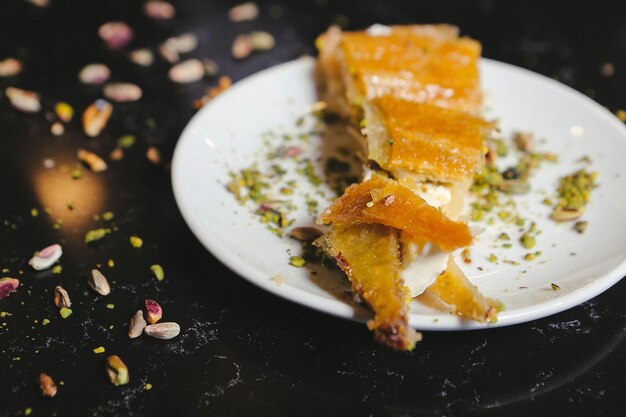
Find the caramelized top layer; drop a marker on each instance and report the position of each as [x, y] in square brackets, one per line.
[435, 142]
[422, 64]
[384, 201]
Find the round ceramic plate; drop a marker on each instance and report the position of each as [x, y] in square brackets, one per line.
[229, 133]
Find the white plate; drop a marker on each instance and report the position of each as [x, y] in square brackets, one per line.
[226, 134]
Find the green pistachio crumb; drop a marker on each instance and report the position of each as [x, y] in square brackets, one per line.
[110, 306]
[57, 269]
[503, 236]
[530, 257]
[493, 258]
[34, 212]
[28, 411]
[99, 349]
[581, 227]
[65, 312]
[77, 174]
[136, 242]
[528, 241]
[45, 322]
[126, 141]
[157, 271]
[555, 287]
[110, 263]
[297, 261]
[107, 216]
[96, 234]
[148, 386]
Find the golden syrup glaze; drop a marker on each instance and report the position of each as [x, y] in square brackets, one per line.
[383, 201]
[443, 144]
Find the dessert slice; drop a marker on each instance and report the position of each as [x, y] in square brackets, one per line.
[413, 95]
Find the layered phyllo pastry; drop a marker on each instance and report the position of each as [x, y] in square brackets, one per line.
[412, 97]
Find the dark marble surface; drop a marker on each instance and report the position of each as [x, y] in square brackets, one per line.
[242, 351]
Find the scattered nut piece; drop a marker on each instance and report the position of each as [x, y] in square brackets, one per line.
[562, 214]
[116, 35]
[137, 324]
[7, 286]
[262, 41]
[96, 234]
[136, 241]
[96, 117]
[211, 69]
[46, 257]
[244, 11]
[65, 312]
[242, 47]
[167, 330]
[581, 227]
[117, 154]
[95, 163]
[157, 271]
[143, 57]
[154, 312]
[122, 92]
[57, 129]
[183, 43]
[524, 141]
[159, 10]
[23, 100]
[187, 71]
[99, 283]
[10, 67]
[94, 74]
[47, 385]
[61, 298]
[153, 155]
[64, 111]
[117, 371]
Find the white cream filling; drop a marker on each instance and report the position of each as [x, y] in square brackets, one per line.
[421, 269]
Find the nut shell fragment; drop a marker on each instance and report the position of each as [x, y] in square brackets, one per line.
[117, 371]
[137, 324]
[116, 34]
[187, 71]
[122, 92]
[10, 67]
[46, 257]
[23, 100]
[95, 163]
[7, 286]
[143, 57]
[244, 11]
[47, 385]
[61, 297]
[159, 10]
[99, 283]
[167, 330]
[154, 312]
[96, 117]
[95, 74]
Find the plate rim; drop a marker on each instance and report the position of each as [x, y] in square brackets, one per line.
[338, 308]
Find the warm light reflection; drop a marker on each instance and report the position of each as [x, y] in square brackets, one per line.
[55, 190]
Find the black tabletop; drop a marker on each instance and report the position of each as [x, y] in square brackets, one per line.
[243, 351]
